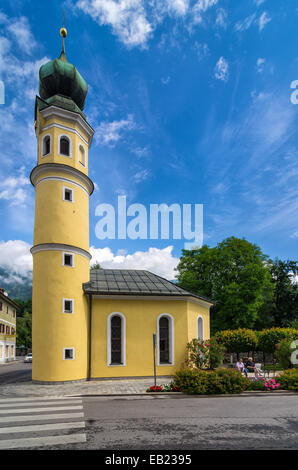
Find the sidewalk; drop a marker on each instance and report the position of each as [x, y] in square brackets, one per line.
[100, 387]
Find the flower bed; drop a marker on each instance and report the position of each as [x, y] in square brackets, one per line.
[163, 388]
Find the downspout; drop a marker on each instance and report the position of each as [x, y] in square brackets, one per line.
[90, 336]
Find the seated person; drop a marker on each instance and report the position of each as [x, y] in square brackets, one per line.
[250, 366]
[240, 366]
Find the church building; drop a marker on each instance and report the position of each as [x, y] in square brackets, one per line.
[98, 323]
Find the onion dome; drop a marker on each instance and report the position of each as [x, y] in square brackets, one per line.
[60, 81]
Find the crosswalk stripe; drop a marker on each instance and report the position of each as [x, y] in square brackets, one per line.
[44, 403]
[37, 399]
[42, 427]
[49, 408]
[14, 419]
[42, 441]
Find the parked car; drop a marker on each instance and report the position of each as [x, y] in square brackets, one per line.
[28, 358]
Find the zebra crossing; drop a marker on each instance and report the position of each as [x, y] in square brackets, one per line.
[39, 422]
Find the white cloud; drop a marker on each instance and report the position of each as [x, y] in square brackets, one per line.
[221, 18]
[20, 29]
[16, 257]
[126, 17]
[245, 24]
[221, 71]
[158, 261]
[294, 235]
[202, 50]
[263, 20]
[141, 175]
[13, 188]
[260, 64]
[108, 133]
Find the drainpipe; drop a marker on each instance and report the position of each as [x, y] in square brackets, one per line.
[90, 335]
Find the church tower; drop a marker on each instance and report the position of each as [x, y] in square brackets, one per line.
[61, 259]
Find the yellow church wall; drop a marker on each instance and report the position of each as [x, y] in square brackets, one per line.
[77, 137]
[59, 221]
[194, 311]
[141, 322]
[53, 330]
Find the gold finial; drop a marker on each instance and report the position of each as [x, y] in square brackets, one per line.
[63, 33]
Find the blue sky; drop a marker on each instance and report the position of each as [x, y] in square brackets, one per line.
[190, 102]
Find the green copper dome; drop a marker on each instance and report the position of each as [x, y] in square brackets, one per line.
[59, 77]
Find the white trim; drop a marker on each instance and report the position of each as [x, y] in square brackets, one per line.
[73, 352]
[42, 144]
[123, 340]
[171, 340]
[152, 297]
[65, 128]
[2, 320]
[72, 305]
[60, 247]
[64, 180]
[85, 159]
[75, 118]
[39, 170]
[199, 317]
[72, 194]
[60, 136]
[72, 265]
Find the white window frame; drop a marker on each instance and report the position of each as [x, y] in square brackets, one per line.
[123, 340]
[72, 194]
[171, 340]
[83, 164]
[70, 145]
[73, 352]
[42, 144]
[63, 259]
[199, 317]
[63, 306]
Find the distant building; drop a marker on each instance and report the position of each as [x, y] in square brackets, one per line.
[98, 324]
[8, 317]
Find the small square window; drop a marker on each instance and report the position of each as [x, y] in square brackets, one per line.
[67, 306]
[68, 354]
[68, 259]
[68, 194]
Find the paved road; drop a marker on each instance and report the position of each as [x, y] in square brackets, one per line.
[150, 423]
[15, 372]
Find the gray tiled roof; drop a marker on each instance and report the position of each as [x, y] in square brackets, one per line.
[132, 282]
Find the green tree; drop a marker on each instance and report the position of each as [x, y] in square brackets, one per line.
[234, 275]
[24, 330]
[24, 323]
[285, 298]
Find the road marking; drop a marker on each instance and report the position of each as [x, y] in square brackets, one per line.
[42, 441]
[14, 419]
[41, 427]
[31, 410]
[36, 399]
[44, 403]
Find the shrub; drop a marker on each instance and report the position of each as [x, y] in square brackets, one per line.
[289, 379]
[202, 382]
[283, 353]
[270, 337]
[237, 341]
[206, 354]
[256, 385]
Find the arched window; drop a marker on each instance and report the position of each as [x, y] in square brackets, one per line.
[116, 339]
[46, 145]
[165, 339]
[82, 156]
[64, 146]
[200, 329]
